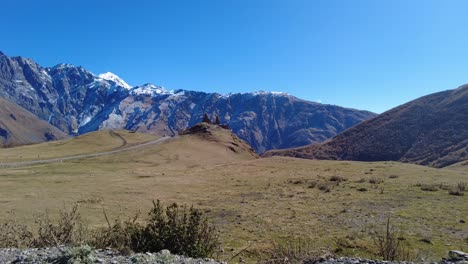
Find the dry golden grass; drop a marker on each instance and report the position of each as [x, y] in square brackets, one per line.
[251, 200]
[89, 143]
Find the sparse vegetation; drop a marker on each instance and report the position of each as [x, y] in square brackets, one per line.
[323, 187]
[337, 178]
[312, 184]
[67, 230]
[14, 234]
[76, 255]
[178, 171]
[375, 180]
[182, 230]
[429, 187]
[390, 244]
[456, 192]
[293, 251]
[461, 186]
[458, 189]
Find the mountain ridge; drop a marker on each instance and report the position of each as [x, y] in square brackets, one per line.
[431, 130]
[76, 101]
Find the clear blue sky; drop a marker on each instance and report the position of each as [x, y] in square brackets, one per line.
[371, 55]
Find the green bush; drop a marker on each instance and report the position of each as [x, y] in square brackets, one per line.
[181, 230]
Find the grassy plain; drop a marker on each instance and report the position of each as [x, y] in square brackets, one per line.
[252, 201]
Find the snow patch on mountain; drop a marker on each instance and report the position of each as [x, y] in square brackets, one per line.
[151, 90]
[255, 94]
[109, 76]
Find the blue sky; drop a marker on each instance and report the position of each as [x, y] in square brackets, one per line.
[371, 55]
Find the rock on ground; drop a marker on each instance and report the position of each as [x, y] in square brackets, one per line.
[87, 255]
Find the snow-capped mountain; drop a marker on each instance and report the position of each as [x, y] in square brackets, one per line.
[109, 76]
[76, 101]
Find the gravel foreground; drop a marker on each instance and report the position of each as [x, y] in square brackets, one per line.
[87, 255]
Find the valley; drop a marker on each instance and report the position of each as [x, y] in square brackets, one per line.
[337, 204]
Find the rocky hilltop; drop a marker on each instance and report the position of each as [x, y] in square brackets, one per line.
[76, 101]
[431, 130]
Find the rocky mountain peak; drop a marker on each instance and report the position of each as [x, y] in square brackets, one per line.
[114, 78]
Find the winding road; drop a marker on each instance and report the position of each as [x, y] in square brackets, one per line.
[82, 156]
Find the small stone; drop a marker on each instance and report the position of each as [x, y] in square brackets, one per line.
[165, 252]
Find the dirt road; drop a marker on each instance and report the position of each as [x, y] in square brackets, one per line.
[82, 156]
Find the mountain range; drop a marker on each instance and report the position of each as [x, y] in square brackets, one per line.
[77, 101]
[431, 130]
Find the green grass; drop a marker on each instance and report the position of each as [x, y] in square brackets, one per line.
[252, 201]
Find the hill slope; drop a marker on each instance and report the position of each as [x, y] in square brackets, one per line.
[249, 199]
[20, 127]
[77, 102]
[431, 130]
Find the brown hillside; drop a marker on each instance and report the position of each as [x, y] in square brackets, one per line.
[431, 130]
[20, 127]
[222, 137]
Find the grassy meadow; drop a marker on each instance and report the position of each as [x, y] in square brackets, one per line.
[338, 205]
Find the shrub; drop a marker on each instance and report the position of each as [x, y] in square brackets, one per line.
[390, 246]
[312, 184]
[119, 235]
[461, 186]
[375, 180]
[68, 230]
[362, 189]
[457, 189]
[336, 178]
[323, 187]
[182, 231]
[429, 187]
[295, 251]
[456, 192]
[296, 182]
[13, 234]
